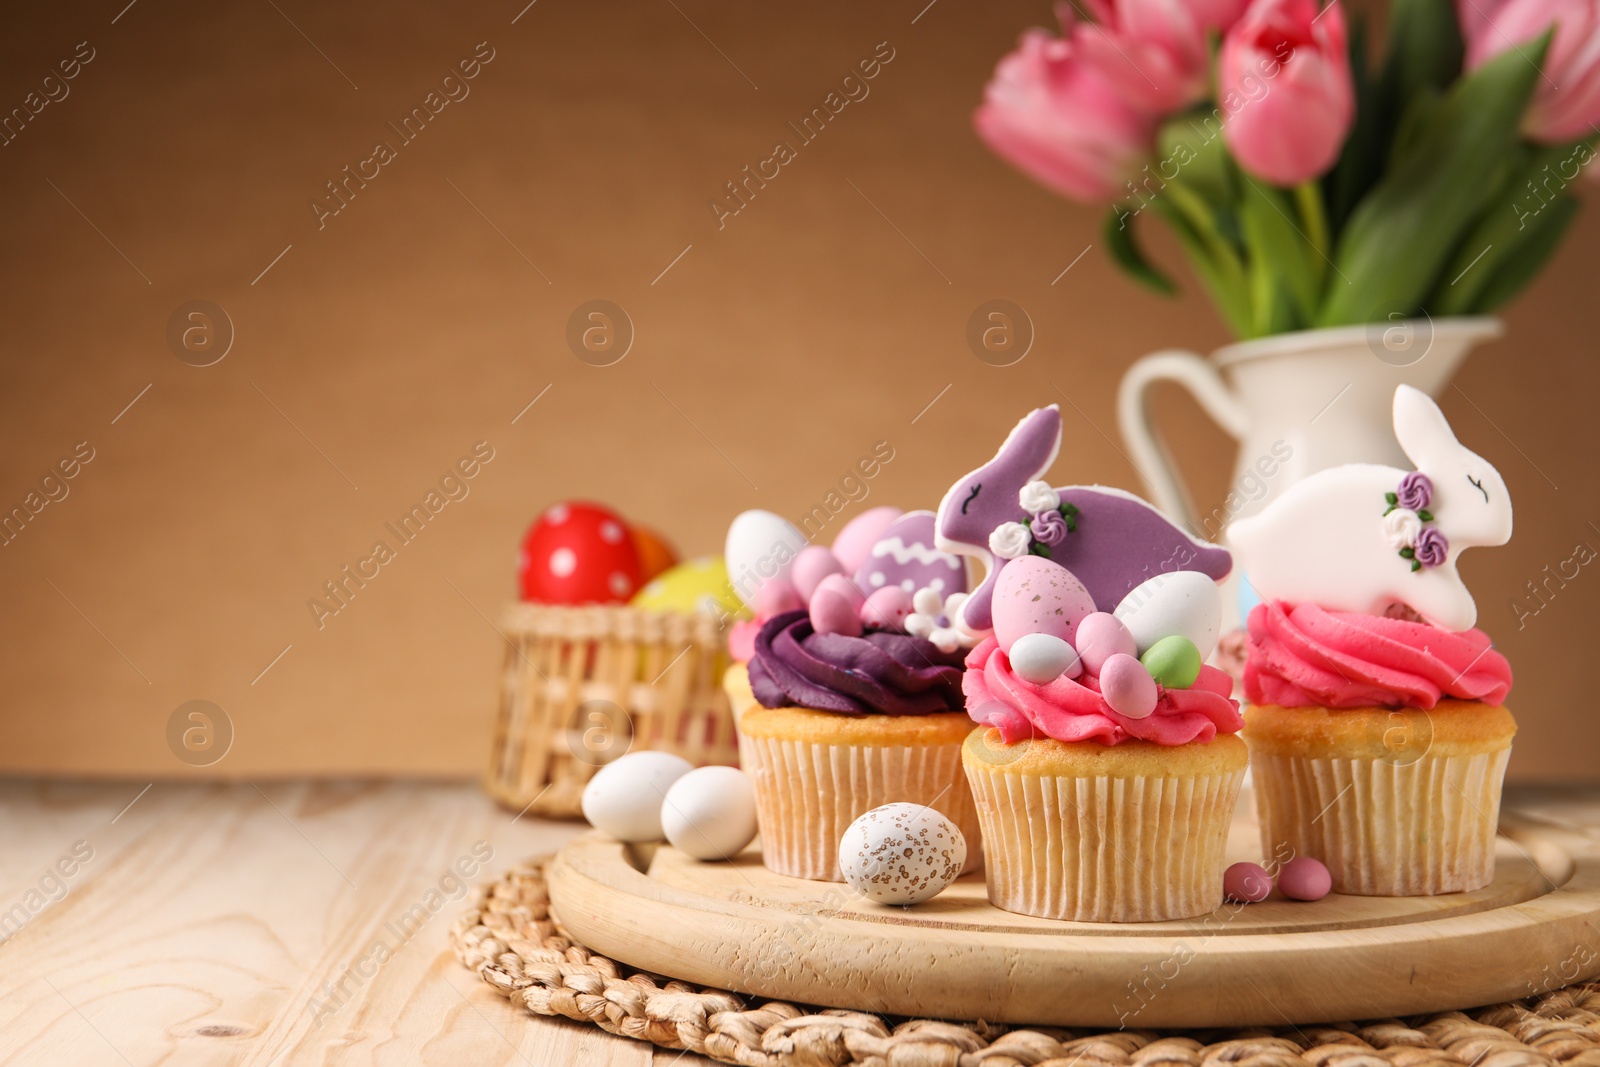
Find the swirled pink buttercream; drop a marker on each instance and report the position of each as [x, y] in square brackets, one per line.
[1305, 656]
[1072, 709]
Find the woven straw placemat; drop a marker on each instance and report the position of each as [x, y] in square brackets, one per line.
[510, 939]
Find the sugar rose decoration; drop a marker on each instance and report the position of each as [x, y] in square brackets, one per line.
[1405, 523]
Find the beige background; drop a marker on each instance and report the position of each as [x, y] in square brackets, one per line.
[375, 351]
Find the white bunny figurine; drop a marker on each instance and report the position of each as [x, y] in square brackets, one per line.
[1363, 537]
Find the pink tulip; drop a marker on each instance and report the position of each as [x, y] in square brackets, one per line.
[1566, 104]
[1157, 52]
[1052, 112]
[1284, 87]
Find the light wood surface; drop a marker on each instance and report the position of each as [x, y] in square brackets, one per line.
[739, 926]
[210, 921]
[828, 315]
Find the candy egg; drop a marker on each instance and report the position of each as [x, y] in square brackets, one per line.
[1305, 878]
[710, 813]
[1176, 602]
[1042, 658]
[905, 555]
[761, 546]
[901, 853]
[1247, 883]
[1173, 661]
[623, 799]
[578, 553]
[1101, 636]
[886, 609]
[1128, 687]
[858, 536]
[813, 564]
[776, 597]
[836, 607]
[1033, 595]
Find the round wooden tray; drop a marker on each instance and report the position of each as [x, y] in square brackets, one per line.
[737, 926]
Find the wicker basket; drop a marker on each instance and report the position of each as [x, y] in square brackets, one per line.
[581, 686]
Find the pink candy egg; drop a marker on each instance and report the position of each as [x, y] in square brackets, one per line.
[850, 548]
[887, 608]
[1101, 636]
[1246, 883]
[836, 607]
[1034, 596]
[775, 597]
[1304, 878]
[813, 564]
[1127, 686]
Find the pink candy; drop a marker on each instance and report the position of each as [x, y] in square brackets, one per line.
[1127, 686]
[775, 597]
[1246, 883]
[887, 608]
[812, 564]
[1304, 878]
[1101, 636]
[836, 607]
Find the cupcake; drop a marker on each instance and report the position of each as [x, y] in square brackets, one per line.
[848, 697]
[1107, 768]
[1377, 731]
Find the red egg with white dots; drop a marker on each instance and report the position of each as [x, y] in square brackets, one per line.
[579, 553]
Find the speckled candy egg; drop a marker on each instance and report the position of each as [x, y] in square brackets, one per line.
[578, 553]
[1034, 596]
[901, 853]
[905, 556]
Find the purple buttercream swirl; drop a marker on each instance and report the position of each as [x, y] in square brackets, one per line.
[1415, 492]
[1049, 528]
[879, 673]
[1431, 547]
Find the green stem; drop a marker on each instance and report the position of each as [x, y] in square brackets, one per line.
[1308, 197]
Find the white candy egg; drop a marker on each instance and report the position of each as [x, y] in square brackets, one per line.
[710, 813]
[901, 853]
[1042, 658]
[761, 546]
[1178, 602]
[623, 799]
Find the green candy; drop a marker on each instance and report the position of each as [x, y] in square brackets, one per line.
[1173, 661]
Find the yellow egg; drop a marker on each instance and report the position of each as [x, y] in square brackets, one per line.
[698, 585]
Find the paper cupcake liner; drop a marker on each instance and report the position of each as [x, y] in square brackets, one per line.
[808, 794]
[1104, 849]
[1385, 829]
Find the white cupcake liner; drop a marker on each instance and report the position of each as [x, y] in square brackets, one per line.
[1382, 828]
[1104, 849]
[808, 794]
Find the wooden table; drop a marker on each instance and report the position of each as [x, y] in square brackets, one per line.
[292, 922]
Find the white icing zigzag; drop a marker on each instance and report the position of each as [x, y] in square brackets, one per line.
[921, 553]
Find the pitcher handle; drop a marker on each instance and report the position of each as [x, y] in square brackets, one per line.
[1150, 455]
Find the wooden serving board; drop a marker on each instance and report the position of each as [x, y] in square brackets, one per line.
[738, 926]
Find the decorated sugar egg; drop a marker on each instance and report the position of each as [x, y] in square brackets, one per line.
[1101, 636]
[1035, 596]
[901, 853]
[578, 553]
[905, 556]
[699, 585]
[855, 541]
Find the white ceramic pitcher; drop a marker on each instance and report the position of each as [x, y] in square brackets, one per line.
[1297, 403]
